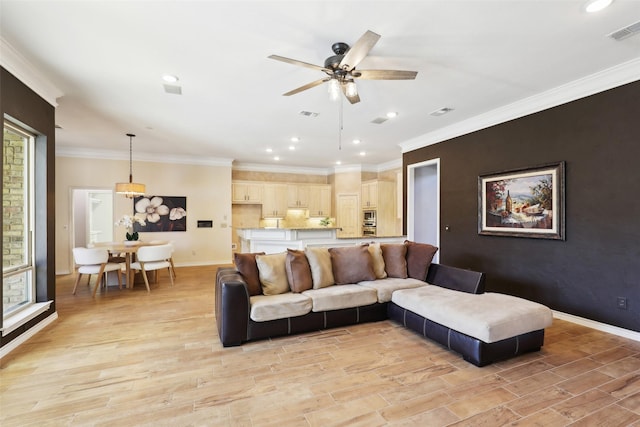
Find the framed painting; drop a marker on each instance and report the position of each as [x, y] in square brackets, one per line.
[160, 213]
[523, 203]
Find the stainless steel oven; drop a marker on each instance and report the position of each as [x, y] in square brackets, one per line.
[368, 223]
[369, 231]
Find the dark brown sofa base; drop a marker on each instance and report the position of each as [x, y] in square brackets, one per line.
[472, 349]
[316, 321]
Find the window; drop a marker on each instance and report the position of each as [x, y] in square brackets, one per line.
[18, 281]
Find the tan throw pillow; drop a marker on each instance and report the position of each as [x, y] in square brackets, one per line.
[273, 274]
[320, 265]
[298, 271]
[395, 262]
[376, 259]
[248, 269]
[351, 264]
[419, 257]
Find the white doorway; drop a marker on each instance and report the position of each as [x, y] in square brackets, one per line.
[91, 216]
[423, 203]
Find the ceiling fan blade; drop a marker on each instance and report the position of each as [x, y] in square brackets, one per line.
[359, 50]
[385, 74]
[296, 62]
[307, 86]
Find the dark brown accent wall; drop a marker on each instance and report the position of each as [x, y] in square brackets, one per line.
[20, 103]
[599, 138]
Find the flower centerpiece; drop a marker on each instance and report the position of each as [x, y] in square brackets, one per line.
[128, 221]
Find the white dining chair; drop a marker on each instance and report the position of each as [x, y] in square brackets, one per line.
[94, 261]
[173, 249]
[153, 257]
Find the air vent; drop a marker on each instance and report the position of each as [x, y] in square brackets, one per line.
[308, 114]
[379, 120]
[176, 90]
[626, 32]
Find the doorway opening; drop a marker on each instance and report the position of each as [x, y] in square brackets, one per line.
[423, 203]
[91, 216]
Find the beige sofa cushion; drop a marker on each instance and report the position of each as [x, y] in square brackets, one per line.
[320, 264]
[377, 260]
[386, 287]
[273, 275]
[338, 297]
[489, 317]
[281, 306]
[351, 264]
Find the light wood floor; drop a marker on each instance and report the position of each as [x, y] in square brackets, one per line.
[127, 358]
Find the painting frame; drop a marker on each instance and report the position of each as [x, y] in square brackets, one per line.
[538, 214]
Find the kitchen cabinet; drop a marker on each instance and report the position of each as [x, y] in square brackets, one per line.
[319, 201]
[380, 196]
[298, 196]
[274, 201]
[246, 192]
[369, 195]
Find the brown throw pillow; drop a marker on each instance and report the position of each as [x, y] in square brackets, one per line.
[419, 257]
[395, 262]
[298, 271]
[351, 264]
[248, 269]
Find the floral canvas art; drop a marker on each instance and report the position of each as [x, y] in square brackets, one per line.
[160, 213]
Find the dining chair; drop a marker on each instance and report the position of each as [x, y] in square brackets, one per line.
[94, 261]
[173, 248]
[153, 257]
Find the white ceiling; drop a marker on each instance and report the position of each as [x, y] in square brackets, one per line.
[107, 59]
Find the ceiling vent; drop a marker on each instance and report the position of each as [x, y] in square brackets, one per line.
[308, 114]
[176, 90]
[626, 32]
[379, 120]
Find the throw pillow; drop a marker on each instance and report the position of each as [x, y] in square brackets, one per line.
[419, 257]
[320, 264]
[395, 262]
[298, 271]
[377, 260]
[351, 264]
[273, 274]
[248, 269]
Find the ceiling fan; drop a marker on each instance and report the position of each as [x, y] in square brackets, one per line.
[341, 68]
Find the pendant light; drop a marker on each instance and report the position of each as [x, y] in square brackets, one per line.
[130, 189]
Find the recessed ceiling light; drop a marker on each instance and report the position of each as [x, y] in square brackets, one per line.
[291, 147]
[169, 78]
[295, 139]
[441, 111]
[269, 150]
[596, 5]
[362, 153]
[392, 114]
[356, 141]
[338, 162]
[276, 158]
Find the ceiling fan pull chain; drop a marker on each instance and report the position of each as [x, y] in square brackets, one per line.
[340, 127]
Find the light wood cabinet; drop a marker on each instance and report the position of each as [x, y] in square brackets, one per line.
[246, 192]
[369, 195]
[298, 196]
[319, 200]
[274, 201]
[381, 197]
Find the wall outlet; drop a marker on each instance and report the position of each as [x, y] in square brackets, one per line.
[622, 303]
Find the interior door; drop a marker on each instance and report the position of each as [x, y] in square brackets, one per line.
[348, 215]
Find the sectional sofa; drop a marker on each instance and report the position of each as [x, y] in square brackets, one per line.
[267, 296]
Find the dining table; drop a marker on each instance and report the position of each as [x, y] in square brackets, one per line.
[129, 249]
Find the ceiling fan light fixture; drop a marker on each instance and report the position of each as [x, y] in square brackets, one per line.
[130, 189]
[593, 6]
[350, 89]
[334, 89]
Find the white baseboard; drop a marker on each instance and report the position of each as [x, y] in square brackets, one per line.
[621, 332]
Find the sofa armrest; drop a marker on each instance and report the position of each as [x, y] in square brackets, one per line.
[457, 279]
[232, 307]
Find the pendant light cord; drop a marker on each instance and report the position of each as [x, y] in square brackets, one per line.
[130, 135]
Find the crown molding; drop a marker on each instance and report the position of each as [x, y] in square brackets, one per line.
[610, 78]
[259, 167]
[89, 153]
[24, 71]
[393, 164]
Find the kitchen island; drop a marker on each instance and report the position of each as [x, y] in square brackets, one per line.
[274, 240]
